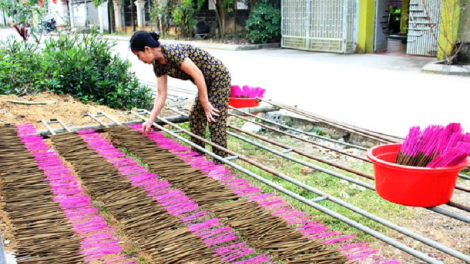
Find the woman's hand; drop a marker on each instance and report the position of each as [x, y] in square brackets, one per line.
[210, 111]
[147, 126]
[192, 70]
[158, 104]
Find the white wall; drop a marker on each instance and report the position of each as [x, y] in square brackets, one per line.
[93, 18]
[59, 12]
[103, 16]
[91, 11]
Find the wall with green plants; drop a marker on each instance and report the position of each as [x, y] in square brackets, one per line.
[180, 13]
[209, 17]
[264, 24]
[80, 65]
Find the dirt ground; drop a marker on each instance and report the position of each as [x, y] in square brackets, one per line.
[70, 111]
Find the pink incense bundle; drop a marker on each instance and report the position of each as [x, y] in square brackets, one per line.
[436, 146]
[452, 156]
[409, 148]
[246, 92]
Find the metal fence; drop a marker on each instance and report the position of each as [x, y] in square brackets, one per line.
[129, 17]
[319, 25]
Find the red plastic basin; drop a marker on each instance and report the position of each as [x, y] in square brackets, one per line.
[412, 186]
[243, 102]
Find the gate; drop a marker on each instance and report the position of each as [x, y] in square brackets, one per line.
[318, 25]
[129, 18]
[423, 27]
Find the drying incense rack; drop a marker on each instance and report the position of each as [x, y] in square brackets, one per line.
[105, 121]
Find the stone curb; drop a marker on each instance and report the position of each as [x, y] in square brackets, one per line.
[440, 68]
[203, 44]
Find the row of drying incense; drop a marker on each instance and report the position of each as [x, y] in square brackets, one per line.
[289, 216]
[99, 242]
[47, 238]
[262, 230]
[155, 231]
[158, 233]
[41, 234]
[156, 225]
[285, 243]
[223, 240]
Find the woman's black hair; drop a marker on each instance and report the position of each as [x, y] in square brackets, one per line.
[142, 38]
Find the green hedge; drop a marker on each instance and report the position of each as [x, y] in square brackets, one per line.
[80, 65]
[264, 24]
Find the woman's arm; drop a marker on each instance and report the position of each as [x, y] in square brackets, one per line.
[162, 89]
[192, 70]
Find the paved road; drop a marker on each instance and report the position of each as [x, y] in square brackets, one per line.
[388, 94]
[383, 93]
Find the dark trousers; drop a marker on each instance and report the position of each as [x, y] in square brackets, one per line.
[218, 93]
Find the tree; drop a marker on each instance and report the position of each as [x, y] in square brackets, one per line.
[452, 32]
[161, 13]
[264, 23]
[22, 14]
[221, 9]
[180, 12]
[183, 15]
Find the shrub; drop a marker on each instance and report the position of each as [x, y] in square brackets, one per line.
[183, 15]
[81, 65]
[20, 68]
[264, 24]
[161, 14]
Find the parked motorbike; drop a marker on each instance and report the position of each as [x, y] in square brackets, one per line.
[49, 25]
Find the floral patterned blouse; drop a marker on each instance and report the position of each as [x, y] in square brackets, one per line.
[175, 54]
